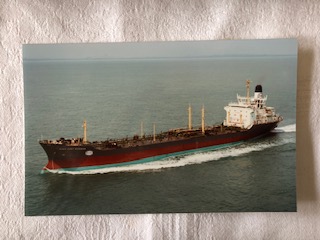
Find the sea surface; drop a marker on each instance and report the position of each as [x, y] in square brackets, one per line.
[116, 96]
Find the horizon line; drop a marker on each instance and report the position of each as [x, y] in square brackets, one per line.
[159, 58]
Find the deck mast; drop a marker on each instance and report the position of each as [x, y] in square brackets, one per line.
[248, 91]
[154, 132]
[84, 131]
[190, 117]
[202, 119]
[141, 129]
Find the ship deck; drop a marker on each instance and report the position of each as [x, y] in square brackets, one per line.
[168, 136]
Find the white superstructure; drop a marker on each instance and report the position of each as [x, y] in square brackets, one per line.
[249, 111]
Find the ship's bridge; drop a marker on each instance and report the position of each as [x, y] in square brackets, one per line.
[255, 101]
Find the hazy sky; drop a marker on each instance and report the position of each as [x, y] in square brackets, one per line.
[178, 49]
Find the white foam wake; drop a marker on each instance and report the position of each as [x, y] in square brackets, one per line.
[197, 158]
[288, 128]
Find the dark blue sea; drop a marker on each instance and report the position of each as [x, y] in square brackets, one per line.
[116, 96]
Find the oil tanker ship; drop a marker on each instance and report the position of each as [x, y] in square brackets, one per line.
[246, 119]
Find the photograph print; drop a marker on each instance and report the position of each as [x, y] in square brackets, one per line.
[160, 127]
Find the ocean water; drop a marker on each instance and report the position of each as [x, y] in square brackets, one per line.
[115, 96]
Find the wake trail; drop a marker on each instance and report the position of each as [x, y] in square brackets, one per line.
[287, 129]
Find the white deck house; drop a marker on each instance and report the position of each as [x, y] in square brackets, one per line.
[249, 111]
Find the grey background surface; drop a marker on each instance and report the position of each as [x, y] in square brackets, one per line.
[119, 21]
